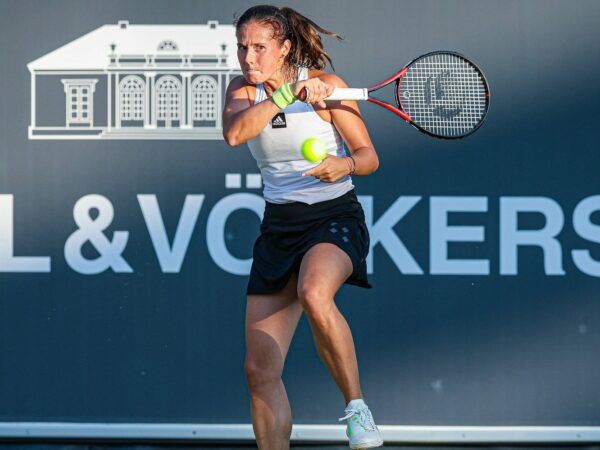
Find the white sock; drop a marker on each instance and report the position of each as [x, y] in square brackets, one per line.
[355, 403]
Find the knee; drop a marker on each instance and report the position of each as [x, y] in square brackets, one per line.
[260, 374]
[317, 304]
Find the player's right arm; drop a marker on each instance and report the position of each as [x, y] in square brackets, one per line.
[242, 119]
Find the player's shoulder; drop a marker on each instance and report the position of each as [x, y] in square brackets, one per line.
[239, 87]
[238, 82]
[327, 77]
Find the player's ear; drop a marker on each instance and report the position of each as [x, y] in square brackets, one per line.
[285, 47]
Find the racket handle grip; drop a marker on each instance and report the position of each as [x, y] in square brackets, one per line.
[349, 94]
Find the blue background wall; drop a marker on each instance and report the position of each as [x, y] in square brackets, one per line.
[491, 349]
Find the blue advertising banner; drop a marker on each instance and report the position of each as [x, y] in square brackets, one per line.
[127, 223]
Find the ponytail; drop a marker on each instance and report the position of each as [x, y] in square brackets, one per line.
[307, 48]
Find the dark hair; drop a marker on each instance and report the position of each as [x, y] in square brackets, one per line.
[307, 48]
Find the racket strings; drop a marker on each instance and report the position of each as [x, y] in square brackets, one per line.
[444, 94]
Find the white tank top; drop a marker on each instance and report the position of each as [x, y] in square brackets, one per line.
[277, 153]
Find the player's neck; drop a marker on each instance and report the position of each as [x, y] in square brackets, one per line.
[279, 78]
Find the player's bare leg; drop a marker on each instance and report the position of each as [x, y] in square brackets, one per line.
[324, 268]
[271, 321]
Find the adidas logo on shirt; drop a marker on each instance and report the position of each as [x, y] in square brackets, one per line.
[279, 121]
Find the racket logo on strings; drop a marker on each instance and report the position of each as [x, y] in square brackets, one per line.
[446, 106]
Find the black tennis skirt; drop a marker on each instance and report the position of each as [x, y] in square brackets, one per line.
[289, 230]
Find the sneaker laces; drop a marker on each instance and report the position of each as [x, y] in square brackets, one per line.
[365, 419]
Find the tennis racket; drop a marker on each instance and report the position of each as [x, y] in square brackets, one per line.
[442, 94]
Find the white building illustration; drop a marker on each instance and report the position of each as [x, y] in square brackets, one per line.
[129, 81]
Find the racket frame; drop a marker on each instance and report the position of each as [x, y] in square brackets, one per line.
[365, 94]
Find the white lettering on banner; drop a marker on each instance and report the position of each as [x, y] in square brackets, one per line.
[440, 234]
[92, 230]
[169, 257]
[215, 230]
[382, 232]
[8, 261]
[584, 227]
[511, 237]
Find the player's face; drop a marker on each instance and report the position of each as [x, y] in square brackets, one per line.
[260, 55]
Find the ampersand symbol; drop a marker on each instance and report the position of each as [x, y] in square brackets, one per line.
[91, 230]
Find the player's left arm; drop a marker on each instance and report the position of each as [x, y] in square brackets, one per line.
[346, 118]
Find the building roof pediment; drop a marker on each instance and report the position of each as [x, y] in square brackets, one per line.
[92, 51]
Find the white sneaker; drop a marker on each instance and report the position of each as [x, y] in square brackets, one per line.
[361, 429]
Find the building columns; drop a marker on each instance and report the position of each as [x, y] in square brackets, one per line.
[109, 102]
[150, 110]
[117, 102]
[32, 99]
[186, 100]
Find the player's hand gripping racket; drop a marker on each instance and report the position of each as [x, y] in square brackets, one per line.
[442, 94]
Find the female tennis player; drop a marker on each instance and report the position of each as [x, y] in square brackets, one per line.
[313, 235]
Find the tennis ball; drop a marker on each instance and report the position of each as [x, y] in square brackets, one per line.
[313, 149]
